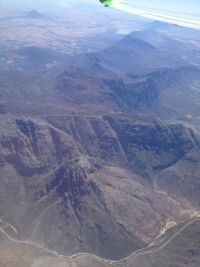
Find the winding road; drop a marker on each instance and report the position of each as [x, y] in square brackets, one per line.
[152, 248]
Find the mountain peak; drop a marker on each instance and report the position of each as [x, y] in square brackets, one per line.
[34, 14]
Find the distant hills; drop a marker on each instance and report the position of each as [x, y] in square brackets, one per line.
[34, 14]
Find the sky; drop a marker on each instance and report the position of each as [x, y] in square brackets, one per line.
[185, 6]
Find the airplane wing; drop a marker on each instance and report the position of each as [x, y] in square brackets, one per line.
[169, 16]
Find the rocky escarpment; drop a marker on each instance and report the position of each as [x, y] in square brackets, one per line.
[164, 93]
[67, 180]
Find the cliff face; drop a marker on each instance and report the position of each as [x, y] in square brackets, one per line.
[67, 181]
[164, 93]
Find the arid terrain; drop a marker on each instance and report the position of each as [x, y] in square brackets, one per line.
[99, 140]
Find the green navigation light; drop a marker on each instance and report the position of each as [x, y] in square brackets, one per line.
[106, 2]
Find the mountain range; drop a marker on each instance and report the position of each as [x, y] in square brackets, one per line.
[100, 155]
